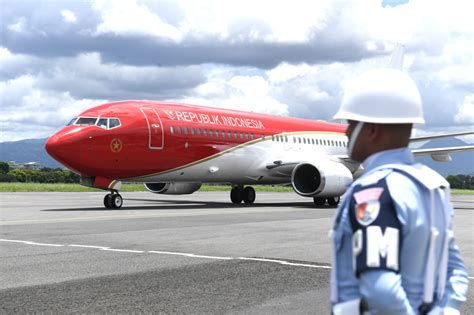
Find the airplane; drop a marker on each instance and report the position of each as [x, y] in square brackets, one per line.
[174, 148]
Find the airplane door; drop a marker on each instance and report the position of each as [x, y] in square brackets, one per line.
[155, 128]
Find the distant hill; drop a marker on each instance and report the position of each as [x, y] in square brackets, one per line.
[462, 163]
[33, 151]
[24, 151]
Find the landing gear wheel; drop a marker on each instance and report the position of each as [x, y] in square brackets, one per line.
[319, 201]
[108, 201]
[236, 195]
[248, 194]
[117, 201]
[334, 201]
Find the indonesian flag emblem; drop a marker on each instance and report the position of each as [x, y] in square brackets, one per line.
[367, 212]
[367, 205]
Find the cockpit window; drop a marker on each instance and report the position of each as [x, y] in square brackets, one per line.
[72, 121]
[114, 122]
[102, 123]
[86, 121]
[105, 123]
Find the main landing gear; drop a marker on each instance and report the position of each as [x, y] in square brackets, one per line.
[239, 194]
[332, 201]
[113, 200]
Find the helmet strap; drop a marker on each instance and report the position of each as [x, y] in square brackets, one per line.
[354, 136]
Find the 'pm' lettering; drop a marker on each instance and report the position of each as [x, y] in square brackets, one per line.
[382, 245]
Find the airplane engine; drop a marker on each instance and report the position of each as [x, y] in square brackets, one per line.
[173, 188]
[322, 179]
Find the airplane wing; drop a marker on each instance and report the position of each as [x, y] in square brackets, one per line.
[442, 154]
[445, 135]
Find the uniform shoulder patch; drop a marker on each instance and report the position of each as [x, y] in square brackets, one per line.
[367, 206]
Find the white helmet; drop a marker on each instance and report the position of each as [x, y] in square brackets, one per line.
[385, 96]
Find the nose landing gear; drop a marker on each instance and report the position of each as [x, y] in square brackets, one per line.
[113, 200]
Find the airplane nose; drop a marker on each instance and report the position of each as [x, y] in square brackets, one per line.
[53, 146]
[64, 147]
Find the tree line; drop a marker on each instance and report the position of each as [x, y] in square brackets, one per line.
[57, 175]
[461, 181]
[44, 175]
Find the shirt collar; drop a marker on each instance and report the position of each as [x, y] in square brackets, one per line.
[398, 156]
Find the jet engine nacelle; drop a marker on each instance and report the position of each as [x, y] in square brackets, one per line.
[173, 188]
[322, 179]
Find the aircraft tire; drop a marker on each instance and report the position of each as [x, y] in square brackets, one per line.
[108, 201]
[117, 201]
[334, 201]
[236, 195]
[318, 201]
[249, 195]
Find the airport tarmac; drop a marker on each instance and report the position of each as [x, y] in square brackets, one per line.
[65, 253]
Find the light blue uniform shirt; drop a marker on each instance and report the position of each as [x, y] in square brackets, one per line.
[398, 292]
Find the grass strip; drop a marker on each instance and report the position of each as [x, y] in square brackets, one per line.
[36, 187]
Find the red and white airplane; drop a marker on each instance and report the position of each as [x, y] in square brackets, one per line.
[174, 148]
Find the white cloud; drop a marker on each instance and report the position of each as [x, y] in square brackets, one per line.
[130, 17]
[19, 26]
[438, 36]
[69, 16]
[248, 93]
[466, 111]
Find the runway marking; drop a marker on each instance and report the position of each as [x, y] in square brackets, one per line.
[123, 250]
[284, 262]
[88, 246]
[32, 243]
[191, 255]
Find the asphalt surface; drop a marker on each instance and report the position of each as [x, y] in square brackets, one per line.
[65, 253]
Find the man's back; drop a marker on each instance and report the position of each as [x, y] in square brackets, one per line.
[390, 214]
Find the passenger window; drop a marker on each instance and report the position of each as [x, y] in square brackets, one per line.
[210, 132]
[172, 129]
[179, 129]
[86, 121]
[198, 131]
[185, 130]
[204, 131]
[229, 134]
[235, 135]
[102, 123]
[192, 131]
[246, 136]
[252, 136]
[114, 122]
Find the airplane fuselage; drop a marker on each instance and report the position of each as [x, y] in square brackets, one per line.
[158, 141]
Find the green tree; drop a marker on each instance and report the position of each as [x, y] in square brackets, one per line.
[4, 167]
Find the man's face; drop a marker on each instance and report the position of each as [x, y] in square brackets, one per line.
[358, 150]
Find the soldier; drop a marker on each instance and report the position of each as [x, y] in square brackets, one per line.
[393, 245]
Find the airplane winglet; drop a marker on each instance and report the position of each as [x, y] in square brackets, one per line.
[396, 62]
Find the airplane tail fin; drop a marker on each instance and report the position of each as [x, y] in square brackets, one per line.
[396, 62]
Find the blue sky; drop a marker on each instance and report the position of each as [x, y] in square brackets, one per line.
[58, 58]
